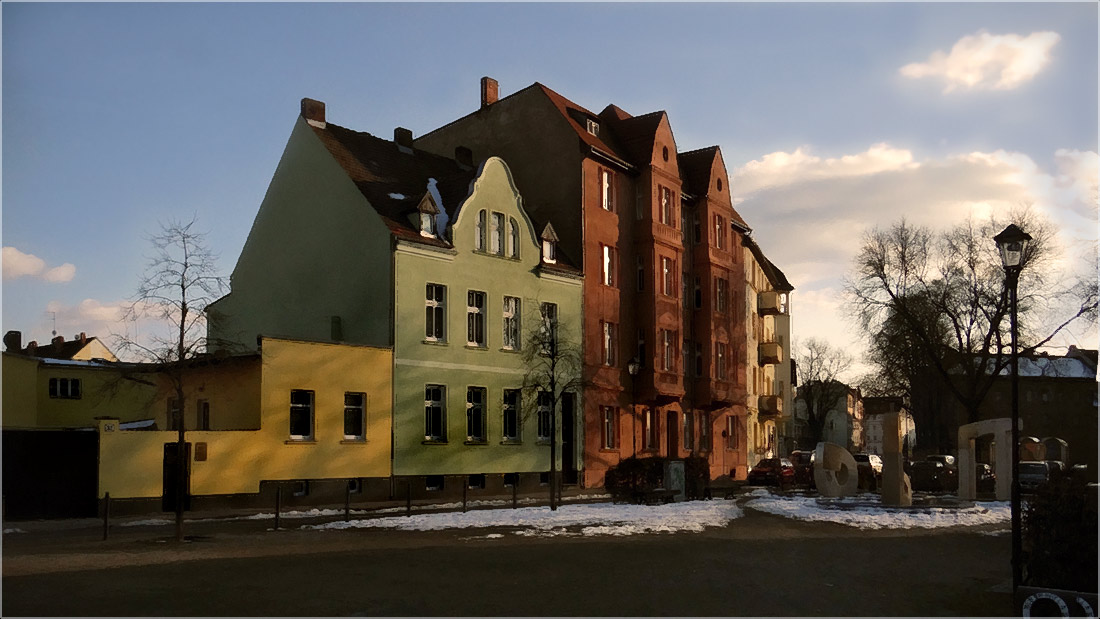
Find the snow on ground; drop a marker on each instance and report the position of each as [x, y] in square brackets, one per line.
[6, 531]
[569, 520]
[866, 511]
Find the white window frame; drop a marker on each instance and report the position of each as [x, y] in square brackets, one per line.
[435, 306]
[300, 408]
[475, 319]
[610, 417]
[720, 369]
[668, 350]
[359, 411]
[607, 189]
[668, 276]
[479, 231]
[513, 238]
[650, 431]
[610, 342]
[433, 407]
[549, 252]
[496, 234]
[510, 314]
[510, 415]
[475, 414]
[543, 416]
[65, 388]
[609, 265]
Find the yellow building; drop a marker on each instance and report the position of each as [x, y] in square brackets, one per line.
[320, 413]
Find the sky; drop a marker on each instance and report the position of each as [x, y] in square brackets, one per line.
[832, 119]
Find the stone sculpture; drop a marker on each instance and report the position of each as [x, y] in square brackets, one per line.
[896, 487]
[1001, 429]
[835, 473]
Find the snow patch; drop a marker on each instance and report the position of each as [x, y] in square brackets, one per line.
[6, 531]
[867, 512]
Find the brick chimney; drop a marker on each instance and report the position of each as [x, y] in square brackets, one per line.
[58, 342]
[83, 337]
[314, 112]
[489, 91]
[404, 139]
[464, 157]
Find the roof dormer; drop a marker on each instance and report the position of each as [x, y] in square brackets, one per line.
[549, 244]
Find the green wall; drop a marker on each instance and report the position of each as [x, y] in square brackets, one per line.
[317, 249]
[458, 366]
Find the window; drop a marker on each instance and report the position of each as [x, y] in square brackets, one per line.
[173, 414]
[544, 416]
[685, 353]
[698, 294]
[684, 279]
[649, 429]
[511, 410]
[435, 312]
[475, 414]
[698, 358]
[732, 434]
[721, 295]
[203, 411]
[301, 415]
[435, 413]
[610, 415]
[511, 323]
[549, 252]
[705, 440]
[496, 234]
[355, 412]
[641, 273]
[65, 388]
[475, 318]
[668, 350]
[607, 190]
[593, 127]
[513, 238]
[697, 233]
[549, 327]
[668, 276]
[720, 361]
[688, 431]
[641, 346]
[433, 482]
[667, 210]
[476, 481]
[479, 231]
[719, 232]
[610, 264]
[684, 227]
[427, 224]
[610, 342]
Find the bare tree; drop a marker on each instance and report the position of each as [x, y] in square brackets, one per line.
[180, 280]
[819, 367]
[554, 368]
[935, 304]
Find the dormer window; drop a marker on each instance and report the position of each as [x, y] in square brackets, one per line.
[427, 224]
[594, 127]
[549, 245]
[428, 211]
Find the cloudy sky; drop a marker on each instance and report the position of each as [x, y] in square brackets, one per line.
[832, 118]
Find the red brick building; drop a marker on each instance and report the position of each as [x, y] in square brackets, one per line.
[660, 244]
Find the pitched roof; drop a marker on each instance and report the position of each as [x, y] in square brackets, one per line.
[695, 170]
[775, 276]
[395, 179]
[60, 348]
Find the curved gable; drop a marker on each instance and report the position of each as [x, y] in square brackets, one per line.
[493, 190]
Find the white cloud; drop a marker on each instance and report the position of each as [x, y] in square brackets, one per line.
[18, 264]
[809, 212]
[984, 61]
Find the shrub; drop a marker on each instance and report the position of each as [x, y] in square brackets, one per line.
[634, 475]
[1060, 537]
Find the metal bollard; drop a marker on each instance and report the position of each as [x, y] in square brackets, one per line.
[347, 502]
[106, 514]
[515, 491]
[278, 505]
[465, 486]
[408, 498]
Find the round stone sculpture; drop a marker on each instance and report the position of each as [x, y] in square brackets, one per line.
[835, 472]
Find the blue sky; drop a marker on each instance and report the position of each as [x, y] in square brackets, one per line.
[118, 116]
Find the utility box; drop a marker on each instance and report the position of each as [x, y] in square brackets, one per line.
[674, 479]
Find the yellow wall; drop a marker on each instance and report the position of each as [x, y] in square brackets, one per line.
[238, 460]
[20, 403]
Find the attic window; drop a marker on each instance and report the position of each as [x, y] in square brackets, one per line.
[719, 184]
[427, 224]
[664, 153]
[549, 251]
[594, 127]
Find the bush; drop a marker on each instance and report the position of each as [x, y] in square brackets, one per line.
[638, 475]
[1060, 537]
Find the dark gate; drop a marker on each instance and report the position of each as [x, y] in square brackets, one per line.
[50, 473]
[171, 475]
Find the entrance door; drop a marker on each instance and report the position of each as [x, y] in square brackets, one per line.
[568, 439]
[171, 473]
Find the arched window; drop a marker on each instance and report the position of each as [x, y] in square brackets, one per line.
[479, 231]
[513, 238]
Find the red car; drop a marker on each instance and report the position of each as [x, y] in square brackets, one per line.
[772, 472]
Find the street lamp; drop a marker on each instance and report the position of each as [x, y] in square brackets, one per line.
[1012, 243]
[633, 367]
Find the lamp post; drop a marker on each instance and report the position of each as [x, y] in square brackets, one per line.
[633, 367]
[1012, 243]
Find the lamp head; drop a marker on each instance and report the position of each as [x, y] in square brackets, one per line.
[634, 366]
[1012, 243]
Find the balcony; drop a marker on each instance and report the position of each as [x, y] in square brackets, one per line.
[770, 405]
[770, 353]
[771, 303]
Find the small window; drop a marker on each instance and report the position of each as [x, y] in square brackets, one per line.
[513, 238]
[435, 312]
[732, 432]
[549, 252]
[427, 224]
[667, 211]
[65, 388]
[355, 486]
[435, 413]
[433, 482]
[475, 414]
[610, 416]
[203, 411]
[476, 481]
[496, 234]
[664, 153]
[355, 412]
[593, 127]
[544, 479]
[511, 411]
[719, 184]
[549, 326]
[544, 406]
[300, 488]
[650, 431]
[479, 231]
[173, 414]
[607, 190]
[475, 318]
[301, 415]
[719, 232]
[510, 320]
[610, 265]
[721, 295]
[720, 361]
[698, 294]
[610, 343]
[511, 480]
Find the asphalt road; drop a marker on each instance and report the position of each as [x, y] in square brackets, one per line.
[759, 565]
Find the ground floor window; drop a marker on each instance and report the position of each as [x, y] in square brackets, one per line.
[510, 414]
[610, 416]
[688, 431]
[433, 482]
[732, 434]
[649, 429]
[355, 408]
[301, 415]
[544, 406]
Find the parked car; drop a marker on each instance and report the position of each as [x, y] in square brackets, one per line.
[950, 476]
[986, 479]
[803, 467]
[1034, 474]
[948, 461]
[869, 467]
[772, 472]
[931, 476]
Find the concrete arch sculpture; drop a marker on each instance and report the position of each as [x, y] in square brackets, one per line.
[1001, 429]
[835, 472]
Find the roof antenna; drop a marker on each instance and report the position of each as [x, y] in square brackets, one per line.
[54, 332]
